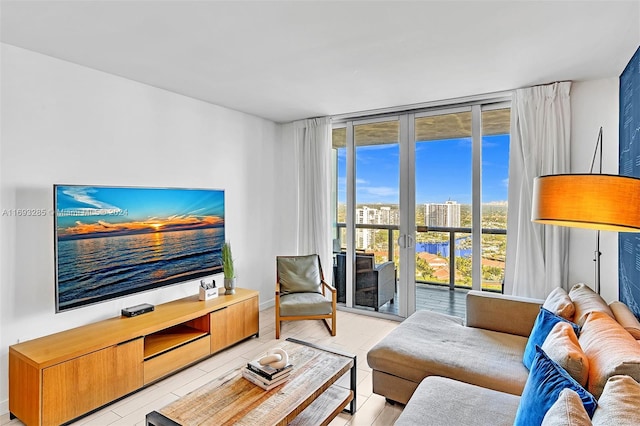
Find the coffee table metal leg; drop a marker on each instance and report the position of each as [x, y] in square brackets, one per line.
[156, 419]
[352, 406]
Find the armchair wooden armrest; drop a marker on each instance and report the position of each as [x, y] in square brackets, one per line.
[329, 286]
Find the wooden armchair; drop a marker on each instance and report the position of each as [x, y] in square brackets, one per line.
[300, 292]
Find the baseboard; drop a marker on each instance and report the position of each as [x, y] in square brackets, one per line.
[268, 304]
[4, 407]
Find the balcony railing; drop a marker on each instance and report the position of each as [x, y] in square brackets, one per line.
[452, 232]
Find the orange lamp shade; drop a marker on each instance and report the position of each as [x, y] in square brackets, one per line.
[594, 201]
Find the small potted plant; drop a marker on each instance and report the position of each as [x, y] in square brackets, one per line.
[227, 267]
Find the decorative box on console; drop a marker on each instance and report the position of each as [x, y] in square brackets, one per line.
[208, 290]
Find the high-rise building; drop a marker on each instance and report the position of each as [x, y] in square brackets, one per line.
[376, 216]
[364, 236]
[444, 215]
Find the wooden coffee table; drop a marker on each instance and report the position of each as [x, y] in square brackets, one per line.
[310, 396]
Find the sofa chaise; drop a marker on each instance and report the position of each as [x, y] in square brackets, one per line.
[447, 371]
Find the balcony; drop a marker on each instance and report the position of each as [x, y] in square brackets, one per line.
[442, 278]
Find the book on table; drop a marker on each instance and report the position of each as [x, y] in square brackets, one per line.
[267, 371]
[265, 384]
[263, 379]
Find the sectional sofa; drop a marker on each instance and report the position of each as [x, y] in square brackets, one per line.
[514, 360]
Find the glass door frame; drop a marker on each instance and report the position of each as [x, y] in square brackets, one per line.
[407, 238]
[406, 296]
[351, 200]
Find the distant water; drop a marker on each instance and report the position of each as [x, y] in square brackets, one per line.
[95, 269]
[442, 249]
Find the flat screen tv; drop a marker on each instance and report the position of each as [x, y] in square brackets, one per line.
[115, 241]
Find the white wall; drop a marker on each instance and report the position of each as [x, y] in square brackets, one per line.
[63, 123]
[594, 104]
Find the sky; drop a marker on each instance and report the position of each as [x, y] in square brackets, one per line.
[97, 210]
[443, 171]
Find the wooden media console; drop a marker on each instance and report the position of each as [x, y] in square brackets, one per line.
[57, 378]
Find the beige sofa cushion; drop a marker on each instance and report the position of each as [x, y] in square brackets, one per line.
[561, 345]
[432, 344]
[559, 302]
[488, 310]
[439, 401]
[611, 351]
[567, 411]
[626, 318]
[619, 404]
[585, 301]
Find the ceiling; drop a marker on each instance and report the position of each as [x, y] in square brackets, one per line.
[288, 60]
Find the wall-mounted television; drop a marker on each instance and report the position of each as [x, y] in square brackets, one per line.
[111, 242]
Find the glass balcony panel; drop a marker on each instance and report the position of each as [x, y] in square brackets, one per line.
[494, 247]
[377, 180]
[432, 258]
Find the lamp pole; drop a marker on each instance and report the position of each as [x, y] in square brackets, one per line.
[597, 253]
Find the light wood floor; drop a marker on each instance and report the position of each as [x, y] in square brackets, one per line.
[356, 334]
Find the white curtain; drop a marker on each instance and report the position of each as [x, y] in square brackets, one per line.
[312, 142]
[537, 255]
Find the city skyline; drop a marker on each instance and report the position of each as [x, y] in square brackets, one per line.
[377, 178]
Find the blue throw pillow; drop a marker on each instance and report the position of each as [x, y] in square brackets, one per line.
[541, 328]
[544, 384]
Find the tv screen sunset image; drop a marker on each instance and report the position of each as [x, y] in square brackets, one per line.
[114, 241]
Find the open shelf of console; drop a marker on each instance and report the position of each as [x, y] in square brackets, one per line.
[57, 378]
[170, 338]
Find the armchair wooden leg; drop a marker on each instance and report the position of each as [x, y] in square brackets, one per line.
[277, 306]
[333, 323]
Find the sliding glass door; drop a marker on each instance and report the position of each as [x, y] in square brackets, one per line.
[420, 208]
[367, 213]
[443, 198]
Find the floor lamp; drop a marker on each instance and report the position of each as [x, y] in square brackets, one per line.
[593, 201]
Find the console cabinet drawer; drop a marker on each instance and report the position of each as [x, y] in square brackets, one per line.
[168, 362]
[80, 385]
[234, 323]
